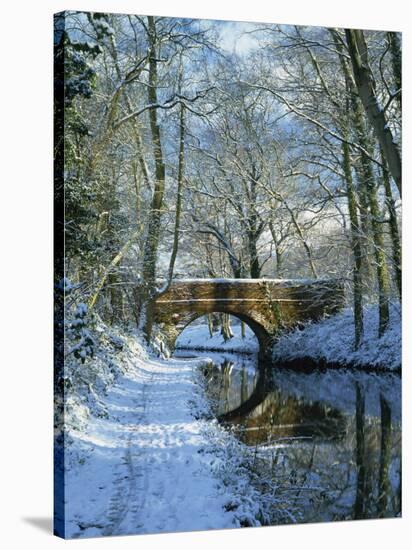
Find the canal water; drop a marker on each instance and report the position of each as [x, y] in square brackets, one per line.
[330, 438]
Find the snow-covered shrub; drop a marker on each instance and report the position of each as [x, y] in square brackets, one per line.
[78, 328]
[332, 340]
[94, 356]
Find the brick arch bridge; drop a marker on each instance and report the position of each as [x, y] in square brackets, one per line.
[266, 305]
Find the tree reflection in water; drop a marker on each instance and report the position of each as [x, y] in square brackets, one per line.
[332, 440]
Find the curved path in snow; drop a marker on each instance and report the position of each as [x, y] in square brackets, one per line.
[149, 464]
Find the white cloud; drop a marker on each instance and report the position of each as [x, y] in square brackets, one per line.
[236, 37]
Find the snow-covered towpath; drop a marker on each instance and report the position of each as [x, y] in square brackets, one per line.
[144, 466]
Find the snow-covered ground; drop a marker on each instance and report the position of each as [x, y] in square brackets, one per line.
[198, 337]
[143, 453]
[332, 340]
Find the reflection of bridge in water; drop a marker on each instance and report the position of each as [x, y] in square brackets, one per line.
[267, 414]
[266, 305]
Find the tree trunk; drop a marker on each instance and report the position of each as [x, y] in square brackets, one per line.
[396, 54]
[365, 84]
[153, 225]
[226, 330]
[255, 269]
[359, 196]
[394, 230]
[116, 260]
[278, 251]
[180, 172]
[304, 242]
[368, 186]
[378, 242]
[210, 324]
[253, 233]
[356, 248]
[116, 298]
[279, 262]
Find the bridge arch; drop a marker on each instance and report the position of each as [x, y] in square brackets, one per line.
[263, 337]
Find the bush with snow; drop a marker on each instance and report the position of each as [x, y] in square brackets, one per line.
[78, 329]
[95, 356]
[332, 340]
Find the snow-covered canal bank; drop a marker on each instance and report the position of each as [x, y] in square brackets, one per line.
[332, 340]
[147, 462]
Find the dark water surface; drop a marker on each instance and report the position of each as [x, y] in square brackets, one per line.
[331, 438]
